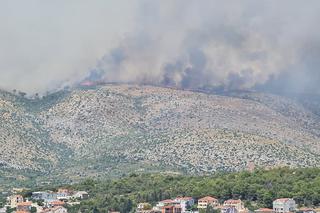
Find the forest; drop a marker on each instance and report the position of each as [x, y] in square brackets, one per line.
[257, 189]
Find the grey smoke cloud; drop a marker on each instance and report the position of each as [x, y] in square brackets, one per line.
[45, 45]
[268, 44]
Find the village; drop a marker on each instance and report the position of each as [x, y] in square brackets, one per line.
[44, 201]
[60, 200]
[211, 204]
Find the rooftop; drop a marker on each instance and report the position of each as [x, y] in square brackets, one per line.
[208, 198]
[57, 202]
[24, 204]
[282, 200]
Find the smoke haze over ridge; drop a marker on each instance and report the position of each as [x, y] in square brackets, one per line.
[275, 45]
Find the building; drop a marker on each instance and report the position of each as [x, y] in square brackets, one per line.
[15, 200]
[237, 204]
[81, 195]
[171, 209]
[184, 202]
[204, 202]
[24, 207]
[264, 210]
[56, 203]
[64, 191]
[284, 205]
[21, 212]
[57, 209]
[179, 204]
[45, 196]
[163, 203]
[63, 194]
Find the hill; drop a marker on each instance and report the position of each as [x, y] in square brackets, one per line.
[116, 129]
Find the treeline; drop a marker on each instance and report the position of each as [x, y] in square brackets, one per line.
[257, 189]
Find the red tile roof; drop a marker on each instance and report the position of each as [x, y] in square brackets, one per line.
[208, 199]
[57, 203]
[282, 200]
[24, 204]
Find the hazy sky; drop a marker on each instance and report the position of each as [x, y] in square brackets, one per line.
[45, 45]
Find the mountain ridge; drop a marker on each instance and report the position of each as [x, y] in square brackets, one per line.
[118, 128]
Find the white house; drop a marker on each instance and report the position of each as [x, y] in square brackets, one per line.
[81, 195]
[284, 205]
[46, 196]
[185, 203]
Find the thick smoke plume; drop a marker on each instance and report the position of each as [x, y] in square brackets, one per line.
[268, 44]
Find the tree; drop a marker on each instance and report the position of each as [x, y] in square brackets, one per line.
[33, 209]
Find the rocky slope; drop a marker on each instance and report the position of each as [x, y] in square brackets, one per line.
[114, 129]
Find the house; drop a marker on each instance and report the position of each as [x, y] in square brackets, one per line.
[163, 203]
[81, 195]
[264, 210]
[237, 204]
[184, 202]
[45, 196]
[24, 207]
[56, 203]
[15, 200]
[171, 209]
[284, 205]
[204, 202]
[63, 194]
[64, 191]
[57, 209]
[38, 195]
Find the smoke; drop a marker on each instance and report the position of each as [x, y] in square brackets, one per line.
[268, 44]
[46, 45]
